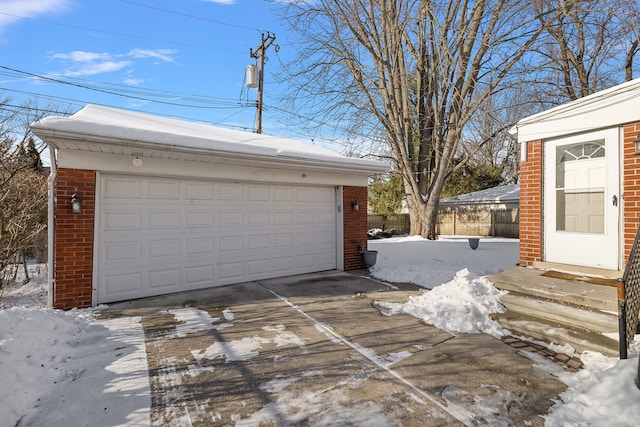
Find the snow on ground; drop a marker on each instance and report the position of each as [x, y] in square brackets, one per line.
[603, 393]
[50, 358]
[430, 263]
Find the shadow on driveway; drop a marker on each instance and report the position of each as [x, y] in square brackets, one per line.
[314, 350]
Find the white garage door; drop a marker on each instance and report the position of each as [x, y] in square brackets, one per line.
[156, 236]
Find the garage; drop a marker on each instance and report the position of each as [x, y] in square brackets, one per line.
[142, 205]
[157, 236]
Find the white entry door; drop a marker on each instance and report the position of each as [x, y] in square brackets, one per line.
[581, 200]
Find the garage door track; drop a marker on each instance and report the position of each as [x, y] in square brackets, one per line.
[314, 350]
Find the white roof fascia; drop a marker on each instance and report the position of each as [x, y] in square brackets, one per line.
[608, 108]
[105, 129]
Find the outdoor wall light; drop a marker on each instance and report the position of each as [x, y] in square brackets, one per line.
[636, 144]
[355, 206]
[75, 204]
[137, 162]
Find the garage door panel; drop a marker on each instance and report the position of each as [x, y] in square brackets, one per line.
[257, 193]
[229, 218]
[233, 270]
[284, 241]
[160, 235]
[200, 275]
[229, 192]
[198, 218]
[114, 220]
[119, 188]
[259, 268]
[163, 248]
[161, 280]
[258, 243]
[163, 189]
[199, 246]
[118, 252]
[230, 244]
[305, 195]
[198, 191]
[122, 285]
[282, 194]
[258, 218]
[163, 220]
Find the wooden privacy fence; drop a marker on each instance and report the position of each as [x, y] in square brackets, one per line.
[497, 223]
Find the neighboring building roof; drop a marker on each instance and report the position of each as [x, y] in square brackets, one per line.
[607, 108]
[105, 129]
[500, 194]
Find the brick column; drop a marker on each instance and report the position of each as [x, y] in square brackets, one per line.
[531, 225]
[630, 185]
[355, 227]
[73, 252]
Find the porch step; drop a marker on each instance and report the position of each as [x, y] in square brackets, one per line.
[559, 311]
[558, 333]
[531, 282]
[576, 317]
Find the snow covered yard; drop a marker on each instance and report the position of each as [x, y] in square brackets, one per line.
[53, 361]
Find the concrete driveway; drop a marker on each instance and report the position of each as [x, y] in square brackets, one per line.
[313, 350]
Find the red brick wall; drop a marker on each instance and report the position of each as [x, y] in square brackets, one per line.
[73, 255]
[630, 185]
[531, 205]
[355, 227]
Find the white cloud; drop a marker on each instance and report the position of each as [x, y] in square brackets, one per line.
[163, 54]
[221, 1]
[81, 63]
[14, 10]
[91, 69]
[81, 56]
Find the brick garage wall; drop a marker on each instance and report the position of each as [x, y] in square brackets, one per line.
[73, 257]
[630, 185]
[355, 227]
[531, 204]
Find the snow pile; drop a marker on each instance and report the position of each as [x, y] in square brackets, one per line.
[603, 393]
[464, 304]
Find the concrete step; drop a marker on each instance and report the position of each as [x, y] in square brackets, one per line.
[560, 311]
[531, 282]
[581, 340]
[576, 317]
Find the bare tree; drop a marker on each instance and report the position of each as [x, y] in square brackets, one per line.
[591, 45]
[417, 70]
[23, 191]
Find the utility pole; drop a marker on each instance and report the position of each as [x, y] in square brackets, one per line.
[259, 54]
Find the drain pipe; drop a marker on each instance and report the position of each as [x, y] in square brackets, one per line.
[51, 226]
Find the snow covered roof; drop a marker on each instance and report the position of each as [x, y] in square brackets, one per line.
[110, 130]
[499, 194]
[607, 108]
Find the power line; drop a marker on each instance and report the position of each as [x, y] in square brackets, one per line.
[200, 18]
[109, 92]
[112, 33]
[135, 89]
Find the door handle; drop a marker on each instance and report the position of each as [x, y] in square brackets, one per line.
[614, 200]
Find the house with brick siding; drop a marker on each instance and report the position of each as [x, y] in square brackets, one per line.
[143, 205]
[580, 180]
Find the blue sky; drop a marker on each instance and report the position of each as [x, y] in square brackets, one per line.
[165, 56]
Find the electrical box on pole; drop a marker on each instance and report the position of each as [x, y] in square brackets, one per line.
[259, 54]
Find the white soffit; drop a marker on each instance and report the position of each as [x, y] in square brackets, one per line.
[608, 108]
[115, 131]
